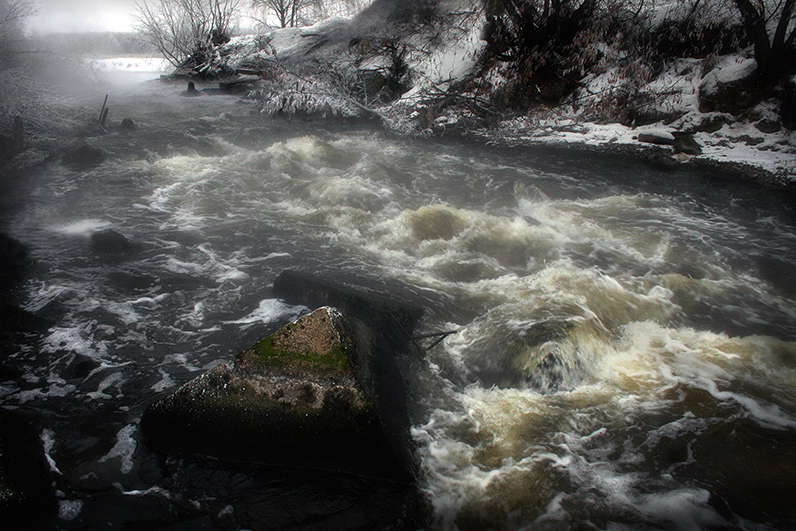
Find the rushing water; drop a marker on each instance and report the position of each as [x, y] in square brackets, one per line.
[623, 355]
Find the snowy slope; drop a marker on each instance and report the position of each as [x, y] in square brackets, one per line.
[309, 69]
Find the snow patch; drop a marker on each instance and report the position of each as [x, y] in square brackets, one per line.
[729, 70]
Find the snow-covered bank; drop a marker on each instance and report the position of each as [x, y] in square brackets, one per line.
[739, 142]
[755, 138]
[414, 77]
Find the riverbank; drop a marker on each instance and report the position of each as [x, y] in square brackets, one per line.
[430, 81]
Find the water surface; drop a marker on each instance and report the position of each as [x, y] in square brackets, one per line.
[623, 355]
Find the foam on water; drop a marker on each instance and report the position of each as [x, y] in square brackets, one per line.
[83, 227]
[112, 380]
[270, 311]
[479, 450]
[123, 449]
[77, 340]
[601, 335]
[68, 510]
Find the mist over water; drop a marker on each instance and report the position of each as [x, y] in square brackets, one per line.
[623, 355]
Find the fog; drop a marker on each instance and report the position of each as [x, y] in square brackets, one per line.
[73, 16]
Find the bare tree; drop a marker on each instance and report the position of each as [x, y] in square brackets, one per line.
[288, 13]
[771, 26]
[340, 8]
[185, 31]
[13, 14]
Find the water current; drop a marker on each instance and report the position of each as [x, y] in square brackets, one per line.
[623, 355]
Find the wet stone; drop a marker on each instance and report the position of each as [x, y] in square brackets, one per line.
[686, 144]
[127, 125]
[304, 396]
[26, 493]
[110, 241]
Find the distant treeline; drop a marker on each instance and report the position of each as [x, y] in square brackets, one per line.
[94, 43]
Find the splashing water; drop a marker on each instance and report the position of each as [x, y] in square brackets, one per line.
[623, 355]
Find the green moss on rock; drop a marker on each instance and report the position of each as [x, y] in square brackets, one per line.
[312, 343]
[303, 396]
[335, 361]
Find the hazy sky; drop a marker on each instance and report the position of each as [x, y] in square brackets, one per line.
[82, 15]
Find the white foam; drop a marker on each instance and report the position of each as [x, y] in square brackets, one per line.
[69, 509]
[182, 361]
[124, 448]
[165, 382]
[765, 413]
[48, 442]
[78, 339]
[123, 310]
[55, 390]
[270, 311]
[83, 227]
[114, 379]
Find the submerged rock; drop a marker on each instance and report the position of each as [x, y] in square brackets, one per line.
[127, 125]
[190, 91]
[84, 157]
[307, 395]
[110, 242]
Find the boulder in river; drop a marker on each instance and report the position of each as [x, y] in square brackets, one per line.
[110, 241]
[127, 125]
[190, 91]
[309, 395]
[26, 493]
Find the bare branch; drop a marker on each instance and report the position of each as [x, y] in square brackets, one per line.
[185, 31]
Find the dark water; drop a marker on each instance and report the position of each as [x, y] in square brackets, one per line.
[624, 355]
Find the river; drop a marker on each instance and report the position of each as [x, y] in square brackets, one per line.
[623, 355]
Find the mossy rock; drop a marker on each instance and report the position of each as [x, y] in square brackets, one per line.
[311, 343]
[305, 396]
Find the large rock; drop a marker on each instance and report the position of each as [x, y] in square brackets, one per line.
[393, 320]
[732, 86]
[109, 241]
[26, 493]
[685, 143]
[652, 135]
[309, 395]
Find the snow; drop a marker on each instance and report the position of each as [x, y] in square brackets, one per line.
[675, 93]
[729, 69]
[438, 62]
[129, 64]
[739, 143]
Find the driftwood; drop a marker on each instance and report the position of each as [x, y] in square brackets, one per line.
[102, 114]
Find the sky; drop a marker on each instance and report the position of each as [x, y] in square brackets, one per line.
[61, 16]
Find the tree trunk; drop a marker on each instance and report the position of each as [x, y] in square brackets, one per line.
[755, 23]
